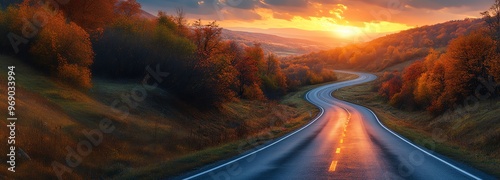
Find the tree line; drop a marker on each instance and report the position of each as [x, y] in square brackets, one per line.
[109, 39]
[467, 71]
[389, 50]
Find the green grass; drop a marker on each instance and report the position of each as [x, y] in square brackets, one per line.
[475, 140]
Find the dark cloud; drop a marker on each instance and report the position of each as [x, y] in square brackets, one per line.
[440, 4]
[241, 4]
[292, 3]
[200, 7]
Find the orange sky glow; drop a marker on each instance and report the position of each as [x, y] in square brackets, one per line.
[358, 20]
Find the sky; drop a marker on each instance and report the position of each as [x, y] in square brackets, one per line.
[344, 18]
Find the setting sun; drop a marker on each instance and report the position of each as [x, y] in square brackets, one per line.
[346, 31]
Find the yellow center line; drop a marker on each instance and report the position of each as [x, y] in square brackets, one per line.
[337, 151]
[333, 166]
[341, 141]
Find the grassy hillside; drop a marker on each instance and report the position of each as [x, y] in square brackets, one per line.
[473, 138]
[161, 136]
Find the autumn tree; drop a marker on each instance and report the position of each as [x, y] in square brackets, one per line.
[296, 75]
[91, 15]
[431, 83]
[131, 44]
[273, 79]
[431, 59]
[248, 73]
[405, 97]
[492, 18]
[391, 84]
[64, 49]
[235, 51]
[169, 22]
[465, 63]
[441, 81]
[430, 86]
[217, 77]
[128, 8]
[181, 22]
[206, 37]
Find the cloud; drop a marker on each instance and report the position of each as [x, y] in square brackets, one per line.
[291, 3]
[352, 12]
[440, 4]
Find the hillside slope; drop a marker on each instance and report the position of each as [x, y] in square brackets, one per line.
[156, 137]
[280, 46]
[395, 48]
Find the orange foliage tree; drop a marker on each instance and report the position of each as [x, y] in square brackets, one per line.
[391, 84]
[465, 62]
[296, 75]
[248, 76]
[92, 15]
[128, 8]
[442, 81]
[431, 83]
[405, 97]
[65, 49]
[58, 47]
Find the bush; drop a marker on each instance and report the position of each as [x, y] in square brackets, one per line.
[253, 92]
[76, 75]
[62, 47]
[57, 46]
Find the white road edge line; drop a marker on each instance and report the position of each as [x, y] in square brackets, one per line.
[309, 124]
[322, 111]
[415, 146]
[424, 151]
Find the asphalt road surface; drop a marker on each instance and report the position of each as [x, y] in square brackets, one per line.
[345, 141]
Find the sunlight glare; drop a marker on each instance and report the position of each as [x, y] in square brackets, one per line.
[346, 31]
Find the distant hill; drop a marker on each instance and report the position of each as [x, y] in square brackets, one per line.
[393, 49]
[278, 45]
[147, 15]
[326, 37]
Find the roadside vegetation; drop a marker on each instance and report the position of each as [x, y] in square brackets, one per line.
[156, 140]
[111, 40]
[184, 95]
[471, 137]
[447, 100]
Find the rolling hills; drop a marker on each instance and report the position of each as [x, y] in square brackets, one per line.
[393, 49]
[281, 46]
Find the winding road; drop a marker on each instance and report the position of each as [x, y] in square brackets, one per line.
[345, 141]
